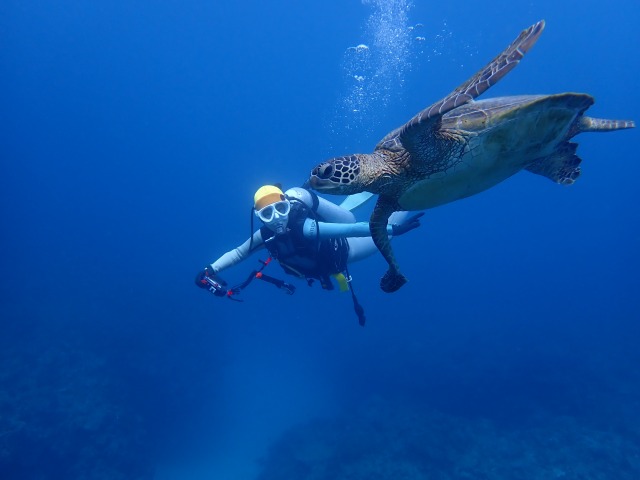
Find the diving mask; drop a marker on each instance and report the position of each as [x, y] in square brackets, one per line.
[275, 215]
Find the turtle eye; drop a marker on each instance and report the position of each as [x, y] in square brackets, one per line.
[324, 171]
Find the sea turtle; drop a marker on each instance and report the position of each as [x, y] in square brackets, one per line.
[458, 147]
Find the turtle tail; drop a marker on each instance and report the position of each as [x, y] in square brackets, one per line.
[590, 124]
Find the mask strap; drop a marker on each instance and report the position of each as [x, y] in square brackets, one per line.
[253, 214]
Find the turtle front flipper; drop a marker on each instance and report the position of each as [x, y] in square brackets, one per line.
[392, 279]
[491, 74]
[413, 132]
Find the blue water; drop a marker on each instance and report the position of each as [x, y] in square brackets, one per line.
[133, 137]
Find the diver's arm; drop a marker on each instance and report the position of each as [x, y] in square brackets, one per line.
[238, 254]
[334, 230]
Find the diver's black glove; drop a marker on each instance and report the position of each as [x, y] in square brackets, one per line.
[207, 279]
[409, 224]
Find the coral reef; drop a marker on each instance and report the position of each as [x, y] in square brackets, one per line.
[383, 441]
[60, 418]
[88, 395]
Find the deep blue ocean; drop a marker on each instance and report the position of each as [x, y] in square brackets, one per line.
[133, 137]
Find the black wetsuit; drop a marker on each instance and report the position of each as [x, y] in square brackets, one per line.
[309, 258]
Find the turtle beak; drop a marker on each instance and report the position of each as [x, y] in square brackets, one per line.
[321, 177]
[313, 182]
[317, 183]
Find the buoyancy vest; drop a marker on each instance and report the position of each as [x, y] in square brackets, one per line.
[310, 258]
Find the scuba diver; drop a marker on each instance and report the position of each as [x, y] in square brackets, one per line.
[312, 238]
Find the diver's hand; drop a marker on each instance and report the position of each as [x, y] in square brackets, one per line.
[408, 225]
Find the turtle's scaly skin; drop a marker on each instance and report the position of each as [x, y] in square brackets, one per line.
[458, 147]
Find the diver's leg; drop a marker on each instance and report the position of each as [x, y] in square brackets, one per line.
[397, 218]
[328, 211]
[360, 247]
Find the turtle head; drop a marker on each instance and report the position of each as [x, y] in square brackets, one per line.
[339, 176]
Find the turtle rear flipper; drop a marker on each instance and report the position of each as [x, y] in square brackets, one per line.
[563, 166]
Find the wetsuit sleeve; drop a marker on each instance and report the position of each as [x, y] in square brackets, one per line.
[335, 230]
[238, 254]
